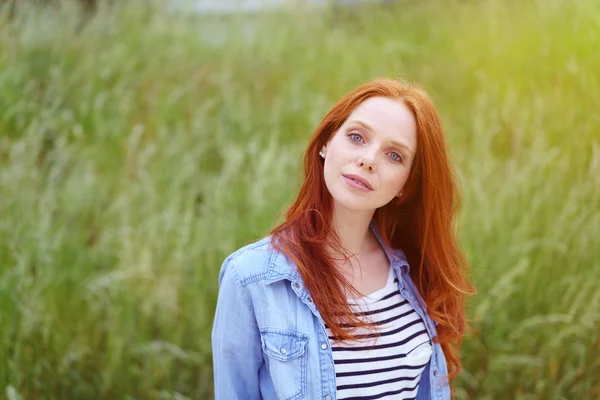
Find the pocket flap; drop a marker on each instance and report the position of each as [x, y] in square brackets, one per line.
[283, 345]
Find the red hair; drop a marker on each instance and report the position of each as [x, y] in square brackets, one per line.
[420, 223]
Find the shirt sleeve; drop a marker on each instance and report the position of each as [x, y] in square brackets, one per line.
[236, 344]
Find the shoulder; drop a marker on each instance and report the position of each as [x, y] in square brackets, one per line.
[250, 262]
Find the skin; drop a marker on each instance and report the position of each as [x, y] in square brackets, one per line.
[369, 153]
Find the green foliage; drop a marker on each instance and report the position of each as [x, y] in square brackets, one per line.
[139, 151]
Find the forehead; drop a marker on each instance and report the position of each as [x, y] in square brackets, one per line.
[391, 119]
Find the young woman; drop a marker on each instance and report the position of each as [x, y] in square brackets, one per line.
[360, 293]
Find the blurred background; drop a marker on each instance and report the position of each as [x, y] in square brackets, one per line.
[141, 142]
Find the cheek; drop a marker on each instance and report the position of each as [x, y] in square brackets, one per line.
[336, 157]
[397, 180]
[341, 147]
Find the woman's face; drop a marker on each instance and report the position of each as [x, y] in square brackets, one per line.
[377, 143]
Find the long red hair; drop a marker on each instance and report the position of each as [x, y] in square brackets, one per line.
[420, 223]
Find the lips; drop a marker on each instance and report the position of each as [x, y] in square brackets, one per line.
[361, 180]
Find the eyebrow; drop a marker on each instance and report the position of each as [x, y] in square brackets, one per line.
[370, 129]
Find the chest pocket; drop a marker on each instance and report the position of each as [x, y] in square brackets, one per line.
[286, 359]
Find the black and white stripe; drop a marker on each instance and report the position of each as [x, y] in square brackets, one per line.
[390, 366]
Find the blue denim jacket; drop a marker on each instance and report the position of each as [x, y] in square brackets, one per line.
[269, 340]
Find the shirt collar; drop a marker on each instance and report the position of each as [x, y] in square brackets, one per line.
[281, 267]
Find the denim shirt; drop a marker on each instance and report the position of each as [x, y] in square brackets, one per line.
[269, 340]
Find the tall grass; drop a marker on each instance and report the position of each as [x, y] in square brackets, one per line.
[139, 151]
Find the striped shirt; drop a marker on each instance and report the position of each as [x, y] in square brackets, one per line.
[390, 367]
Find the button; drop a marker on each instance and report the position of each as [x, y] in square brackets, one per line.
[324, 346]
[283, 350]
[310, 300]
[328, 397]
[296, 285]
[435, 372]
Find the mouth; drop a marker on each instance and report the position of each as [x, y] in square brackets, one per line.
[359, 181]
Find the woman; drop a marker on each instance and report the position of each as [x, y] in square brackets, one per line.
[360, 293]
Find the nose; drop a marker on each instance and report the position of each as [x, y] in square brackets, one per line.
[367, 160]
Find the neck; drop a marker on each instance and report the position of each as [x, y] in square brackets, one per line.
[353, 230]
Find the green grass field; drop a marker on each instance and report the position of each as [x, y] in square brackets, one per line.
[138, 152]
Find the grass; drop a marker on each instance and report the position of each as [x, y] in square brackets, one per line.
[138, 152]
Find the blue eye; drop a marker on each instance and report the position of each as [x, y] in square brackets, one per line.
[353, 135]
[398, 157]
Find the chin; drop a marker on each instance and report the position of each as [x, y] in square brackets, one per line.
[352, 202]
